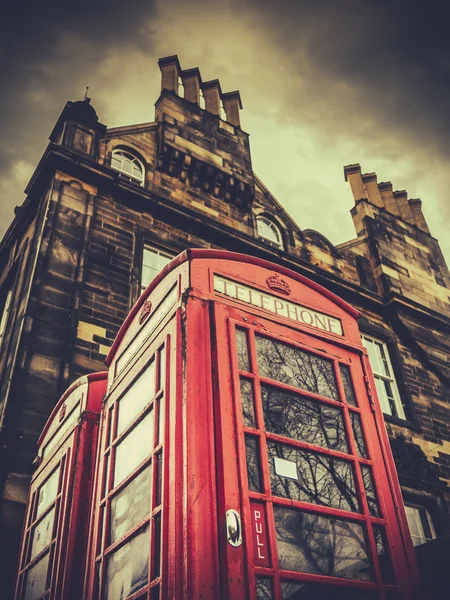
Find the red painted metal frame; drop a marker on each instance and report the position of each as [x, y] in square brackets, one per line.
[75, 458]
[385, 482]
[159, 350]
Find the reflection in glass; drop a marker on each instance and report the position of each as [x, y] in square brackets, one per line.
[322, 545]
[387, 572]
[320, 479]
[357, 432]
[293, 590]
[130, 505]
[263, 588]
[157, 545]
[136, 398]
[36, 582]
[42, 534]
[158, 479]
[161, 421]
[348, 385]
[248, 408]
[296, 367]
[127, 568]
[162, 368]
[134, 448]
[253, 465]
[47, 492]
[294, 416]
[366, 473]
[242, 350]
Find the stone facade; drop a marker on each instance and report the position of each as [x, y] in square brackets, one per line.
[73, 258]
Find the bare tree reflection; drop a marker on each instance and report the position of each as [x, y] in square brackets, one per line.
[318, 544]
[294, 416]
[296, 367]
[321, 479]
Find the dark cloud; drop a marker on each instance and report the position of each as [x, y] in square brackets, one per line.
[326, 82]
[49, 51]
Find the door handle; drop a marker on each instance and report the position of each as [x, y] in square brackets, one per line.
[234, 529]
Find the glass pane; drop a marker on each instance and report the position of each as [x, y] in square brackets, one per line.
[36, 581]
[310, 543]
[357, 432]
[310, 477]
[366, 473]
[162, 368]
[136, 398]
[263, 588]
[158, 479]
[296, 367]
[348, 385]
[293, 590]
[387, 572]
[253, 464]
[248, 408]
[42, 534]
[157, 546]
[161, 420]
[242, 350]
[130, 505]
[293, 416]
[155, 593]
[136, 446]
[47, 492]
[127, 568]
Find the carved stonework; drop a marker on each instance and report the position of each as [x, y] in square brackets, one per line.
[206, 177]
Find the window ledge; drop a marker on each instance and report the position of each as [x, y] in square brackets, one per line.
[406, 423]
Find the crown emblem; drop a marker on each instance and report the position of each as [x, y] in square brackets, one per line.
[279, 285]
[145, 311]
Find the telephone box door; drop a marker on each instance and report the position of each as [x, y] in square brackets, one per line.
[306, 506]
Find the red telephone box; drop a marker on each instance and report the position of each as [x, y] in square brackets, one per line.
[53, 553]
[243, 453]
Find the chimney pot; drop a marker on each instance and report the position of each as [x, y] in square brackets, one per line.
[232, 104]
[212, 93]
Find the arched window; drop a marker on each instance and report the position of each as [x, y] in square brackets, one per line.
[128, 164]
[268, 231]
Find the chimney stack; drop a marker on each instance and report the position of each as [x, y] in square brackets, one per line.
[212, 93]
[192, 82]
[170, 71]
[232, 104]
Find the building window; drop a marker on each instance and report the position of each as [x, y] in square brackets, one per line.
[153, 261]
[129, 165]
[420, 524]
[4, 314]
[383, 373]
[268, 231]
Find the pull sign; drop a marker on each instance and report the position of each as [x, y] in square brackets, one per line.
[234, 529]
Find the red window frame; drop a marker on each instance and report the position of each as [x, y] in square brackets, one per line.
[154, 520]
[339, 352]
[62, 461]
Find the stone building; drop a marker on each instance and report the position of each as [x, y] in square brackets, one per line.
[107, 208]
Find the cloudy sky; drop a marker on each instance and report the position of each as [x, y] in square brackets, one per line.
[324, 83]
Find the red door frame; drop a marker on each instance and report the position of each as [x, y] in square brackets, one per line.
[228, 426]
